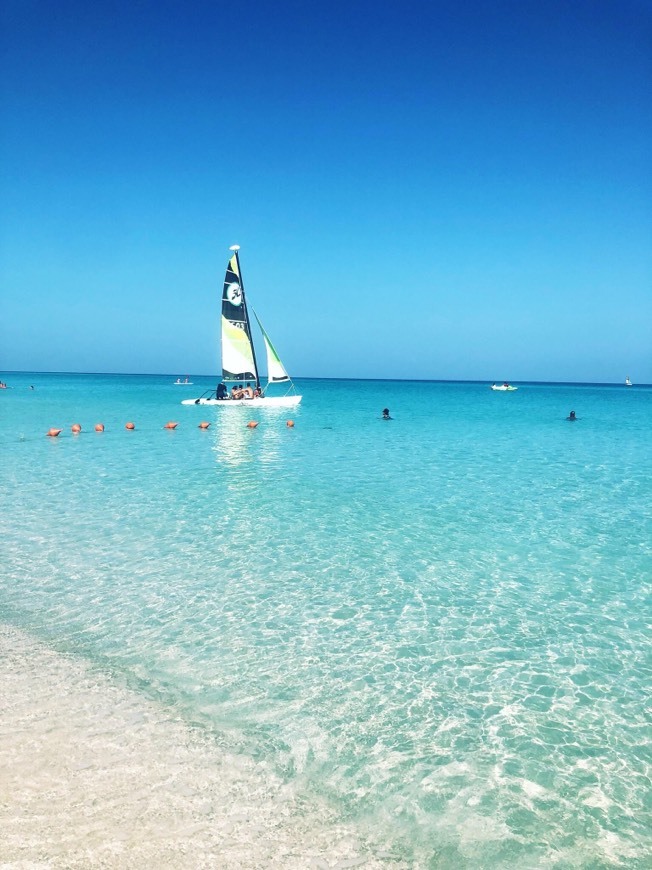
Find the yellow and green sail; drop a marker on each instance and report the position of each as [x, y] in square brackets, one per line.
[238, 352]
[276, 373]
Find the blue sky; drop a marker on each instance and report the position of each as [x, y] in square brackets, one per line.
[421, 189]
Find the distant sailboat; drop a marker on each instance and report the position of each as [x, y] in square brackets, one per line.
[628, 383]
[239, 365]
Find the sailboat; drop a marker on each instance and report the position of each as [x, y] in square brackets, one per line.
[628, 383]
[239, 366]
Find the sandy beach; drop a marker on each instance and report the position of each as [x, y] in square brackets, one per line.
[92, 775]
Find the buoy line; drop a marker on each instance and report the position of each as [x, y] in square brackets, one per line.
[76, 428]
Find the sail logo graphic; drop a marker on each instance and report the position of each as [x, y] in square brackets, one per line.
[234, 294]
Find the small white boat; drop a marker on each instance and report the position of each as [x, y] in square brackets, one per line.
[239, 366]
[180, 383]
[504, 388]
[628, 383]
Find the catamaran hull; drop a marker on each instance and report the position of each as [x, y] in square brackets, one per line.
[266, 402]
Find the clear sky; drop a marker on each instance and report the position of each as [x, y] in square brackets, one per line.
[451, 189]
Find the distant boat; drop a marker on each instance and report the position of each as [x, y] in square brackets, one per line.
[239, 366]
[184, 383]
[628, 383]
[504, 388]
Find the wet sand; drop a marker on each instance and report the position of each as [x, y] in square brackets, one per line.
[93, 775]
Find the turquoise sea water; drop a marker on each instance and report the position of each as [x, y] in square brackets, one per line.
[437, 626]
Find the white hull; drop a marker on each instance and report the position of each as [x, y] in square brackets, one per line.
[504, 389]
[266, 402]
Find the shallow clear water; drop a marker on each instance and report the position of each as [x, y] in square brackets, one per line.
[437, 626]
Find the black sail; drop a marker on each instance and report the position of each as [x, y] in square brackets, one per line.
[238, 356]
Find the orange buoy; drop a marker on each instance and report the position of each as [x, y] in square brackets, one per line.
[52, 433]
[129, 426]
[99, 427]
[252, 424]
[290, 424]
[75, 428]
[170, 425]
[204, 425]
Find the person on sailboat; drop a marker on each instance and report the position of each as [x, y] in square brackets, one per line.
[248, 392]
[222, 392]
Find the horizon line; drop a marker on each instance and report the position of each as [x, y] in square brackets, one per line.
[331, 378]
